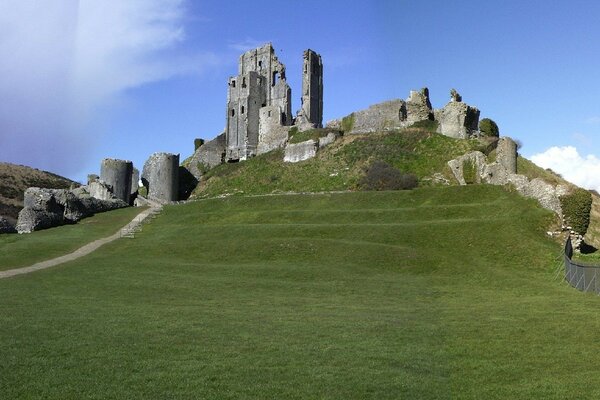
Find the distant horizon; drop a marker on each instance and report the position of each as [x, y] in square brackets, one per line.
[82, 81]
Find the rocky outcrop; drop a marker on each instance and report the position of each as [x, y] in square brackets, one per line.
[208, 155]
[300, 151]
[46, 208]
[503, 172]
[457, 119]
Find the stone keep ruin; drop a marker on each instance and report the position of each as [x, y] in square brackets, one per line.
[259, 103]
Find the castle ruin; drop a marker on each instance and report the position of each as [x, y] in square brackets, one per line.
[259, 102]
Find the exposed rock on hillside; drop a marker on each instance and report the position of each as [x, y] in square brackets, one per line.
[46, 208]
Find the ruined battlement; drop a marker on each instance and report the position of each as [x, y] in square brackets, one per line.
[259, 102]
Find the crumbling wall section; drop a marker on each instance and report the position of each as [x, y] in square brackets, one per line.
[161, 176]
[311, 110]
[117, 174]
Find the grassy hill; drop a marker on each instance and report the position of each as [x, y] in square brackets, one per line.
[15, 179]
[442, 292]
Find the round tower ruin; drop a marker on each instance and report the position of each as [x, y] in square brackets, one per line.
[117, 174]
[161, 176]
[506, 154]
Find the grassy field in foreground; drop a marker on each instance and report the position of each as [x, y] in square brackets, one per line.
[435, 293]
[27, 249]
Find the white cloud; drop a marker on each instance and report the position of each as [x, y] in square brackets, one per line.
[583, 171]
[61, 61]
[247, 44]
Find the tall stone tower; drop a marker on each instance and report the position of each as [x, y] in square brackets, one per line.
[311, 111]
[260, 83]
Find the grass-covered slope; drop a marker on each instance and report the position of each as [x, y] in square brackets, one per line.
[433, 293]
[24, 250]
[15, 179]
[338, 166]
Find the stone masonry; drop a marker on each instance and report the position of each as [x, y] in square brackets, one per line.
[310, 114]
[117, 174]
[259, 103]
[161, 176]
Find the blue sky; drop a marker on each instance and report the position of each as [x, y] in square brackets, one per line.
[83, 80]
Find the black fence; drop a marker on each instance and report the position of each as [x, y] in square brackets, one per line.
[583, 277]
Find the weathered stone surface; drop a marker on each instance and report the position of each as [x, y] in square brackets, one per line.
[457, 120]
[506, 154]
[117, 174]
[135, 180]
[46, 208]
[34, 220]
[6, 226]
[476, 157]
[207, 156]
[377, 118]
[300, 151]
[92, 178]
[272, 134]
[41, 199]
[100, 190]
[310, 114]
[261, 82]
[327, 140]
[161, 176]
[454, 96]
[501, 173]
[418, 106]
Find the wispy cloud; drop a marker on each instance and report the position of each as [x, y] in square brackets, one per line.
[595, 120]
[61, 61]
[247, 44]
[582, 170]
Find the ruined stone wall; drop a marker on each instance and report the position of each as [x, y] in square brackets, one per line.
[245, 98]
[161, 176]
[260, 83]
[506, 154]
[377, 118]
[272, 133]
[312, 90]
[117, 174]
[209, 155]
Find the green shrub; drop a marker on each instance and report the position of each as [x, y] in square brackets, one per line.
[487, 127]
[348, 123]
[469, 172]
[382, 176]
[576, 207]
[198, 143]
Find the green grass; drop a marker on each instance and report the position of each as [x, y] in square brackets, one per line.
[27, 249]
[314, 134]
[532, 171]
[339, 166]
[434, 293]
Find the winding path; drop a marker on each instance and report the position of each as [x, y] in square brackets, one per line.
[126, 231]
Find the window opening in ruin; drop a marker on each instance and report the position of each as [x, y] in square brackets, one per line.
[264, 104]
[305, 68]
[274, 77]
[233, 83]
[282, 117]
[242, 109]
[260, 64]
[243, 82]
[269, 113]
[232, 112]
